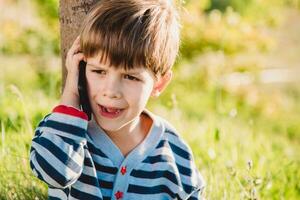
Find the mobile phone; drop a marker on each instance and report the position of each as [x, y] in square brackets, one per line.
[82, 90]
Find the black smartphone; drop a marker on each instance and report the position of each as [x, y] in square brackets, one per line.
[82, 90]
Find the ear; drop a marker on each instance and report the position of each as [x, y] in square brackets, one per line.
[84, 59]
[161, 83]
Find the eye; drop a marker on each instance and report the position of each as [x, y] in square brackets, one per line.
[98, 71]
[132, 78]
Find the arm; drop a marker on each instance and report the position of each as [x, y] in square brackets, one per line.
[57, 151]
[192, 183]
[197, 195]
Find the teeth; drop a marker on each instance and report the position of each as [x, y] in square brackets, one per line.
[111, 110]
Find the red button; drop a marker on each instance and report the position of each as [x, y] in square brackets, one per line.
[123, 170]
[119, 195]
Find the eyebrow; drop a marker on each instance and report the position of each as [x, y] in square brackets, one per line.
[94, 65]
[132, 71]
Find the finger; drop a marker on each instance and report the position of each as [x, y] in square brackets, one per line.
[75, 46]
[77, 40]
[73, 63]
[78, 57]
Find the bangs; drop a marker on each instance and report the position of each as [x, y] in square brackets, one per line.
[131, 33]
[114, 49]
[121, 42]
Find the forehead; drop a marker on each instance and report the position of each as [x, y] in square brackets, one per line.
[98, 61]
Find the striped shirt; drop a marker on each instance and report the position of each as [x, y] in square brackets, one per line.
[79, 161]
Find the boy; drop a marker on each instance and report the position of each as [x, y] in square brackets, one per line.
[124, 151]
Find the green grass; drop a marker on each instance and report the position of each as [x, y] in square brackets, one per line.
[227, 132]
[242, 150]
[246, 140]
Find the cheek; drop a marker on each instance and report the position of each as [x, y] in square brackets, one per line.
[138, 95]
[92, 85]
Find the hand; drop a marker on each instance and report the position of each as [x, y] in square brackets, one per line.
[74, 56]
[70, 94]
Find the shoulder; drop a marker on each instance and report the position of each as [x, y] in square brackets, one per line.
[187, 172]
[179, 146]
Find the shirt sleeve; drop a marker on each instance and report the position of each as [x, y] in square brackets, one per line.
[57, 149]
[197, 184]
[197, 195]
[192, 182]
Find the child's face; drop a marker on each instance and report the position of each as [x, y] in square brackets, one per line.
[117, 96]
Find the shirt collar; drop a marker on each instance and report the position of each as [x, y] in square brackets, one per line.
[101, 140]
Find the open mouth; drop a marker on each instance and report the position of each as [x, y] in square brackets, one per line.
[110, 112]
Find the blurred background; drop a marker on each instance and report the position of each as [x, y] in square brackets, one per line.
[235, 95]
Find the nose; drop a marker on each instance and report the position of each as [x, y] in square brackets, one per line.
[111, 88]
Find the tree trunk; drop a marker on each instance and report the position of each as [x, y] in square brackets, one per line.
[71, 15]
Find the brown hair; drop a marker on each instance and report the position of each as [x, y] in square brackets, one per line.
[132, 33]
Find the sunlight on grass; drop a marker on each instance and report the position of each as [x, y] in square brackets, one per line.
[244, 132]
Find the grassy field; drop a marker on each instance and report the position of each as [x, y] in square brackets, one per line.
[244, 131]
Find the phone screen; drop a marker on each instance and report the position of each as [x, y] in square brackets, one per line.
[82, 90]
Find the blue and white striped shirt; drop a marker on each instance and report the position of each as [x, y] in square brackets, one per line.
[79, 161]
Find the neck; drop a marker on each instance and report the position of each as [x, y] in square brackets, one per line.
[131, 135]
[127, 130]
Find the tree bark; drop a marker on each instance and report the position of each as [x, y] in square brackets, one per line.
[71, 15]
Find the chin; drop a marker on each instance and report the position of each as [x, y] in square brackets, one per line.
[108, 127]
